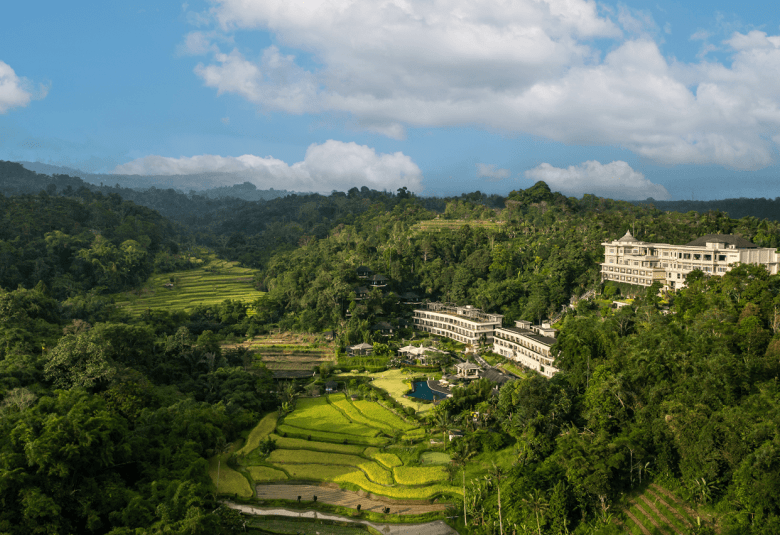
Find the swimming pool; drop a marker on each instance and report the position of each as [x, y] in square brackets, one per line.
[420, 390]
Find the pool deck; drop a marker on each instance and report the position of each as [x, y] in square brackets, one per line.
[439, 388]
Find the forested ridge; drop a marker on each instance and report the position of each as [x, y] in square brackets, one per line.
[107, 421]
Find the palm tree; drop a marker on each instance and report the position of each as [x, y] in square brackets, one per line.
[444, 421]
[460, 456]
[496, 472]
[537, 503]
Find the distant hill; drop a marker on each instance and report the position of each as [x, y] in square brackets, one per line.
[212, 185]
[735, 208]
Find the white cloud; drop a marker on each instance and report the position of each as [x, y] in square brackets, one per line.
[490, 172]
[16, 91]
[616, 180]
[528, 66]
[327, 166]
[194, 44]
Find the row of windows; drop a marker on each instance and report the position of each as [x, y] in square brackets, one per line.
[520, 342]
[633, 272]
[631, 280]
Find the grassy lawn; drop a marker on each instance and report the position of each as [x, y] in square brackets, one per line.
[392, 382]
[209, 284]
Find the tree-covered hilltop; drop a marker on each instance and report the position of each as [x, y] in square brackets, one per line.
[525, 261]
[91, 243]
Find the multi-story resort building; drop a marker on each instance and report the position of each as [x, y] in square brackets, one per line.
[641, 263]
[527, 344]
[465, 324]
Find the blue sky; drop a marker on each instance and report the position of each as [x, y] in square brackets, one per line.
[628, 99]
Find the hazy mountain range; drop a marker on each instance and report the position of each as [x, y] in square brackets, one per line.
[213, 185]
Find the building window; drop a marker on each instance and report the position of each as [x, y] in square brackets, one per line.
[697, 256]
[687, 256]
[721, 258]
[708, 257]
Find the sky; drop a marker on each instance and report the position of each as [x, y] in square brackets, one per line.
[629, 100]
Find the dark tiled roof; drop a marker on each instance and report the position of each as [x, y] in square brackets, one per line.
[528, 333]
[381, 326]
[495, 376]
[379, 278]
[737, 241]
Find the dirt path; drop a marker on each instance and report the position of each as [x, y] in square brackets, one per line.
[344, 498]
[429, 528]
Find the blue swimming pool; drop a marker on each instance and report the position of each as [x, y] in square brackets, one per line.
[420, 390]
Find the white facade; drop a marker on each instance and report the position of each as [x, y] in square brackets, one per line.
[527, 344]
[641, 263]
[465, 324]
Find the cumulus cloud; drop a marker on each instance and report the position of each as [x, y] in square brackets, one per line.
[528, 66]
[333, 165]
[616, 180]
[194, 44]
[16, 91]
[490, 172]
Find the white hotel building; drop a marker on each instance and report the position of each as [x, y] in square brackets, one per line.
[641, 263]
[465, 324]
[527, 344]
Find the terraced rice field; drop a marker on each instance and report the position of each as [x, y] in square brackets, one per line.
[310, 447]
[209, 284]
[658, 511]
[437, 225]
[291, 351]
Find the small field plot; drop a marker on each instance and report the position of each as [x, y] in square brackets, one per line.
[419, 475]
[382, 416]
[319, 472]
[390, 460]
[227, 480]
[289, 443]
[426, 492]
[434, 457]
[341, 402]
[265, 474]
[313, 457]
[210, 284]
[317, 414]
[325, 436]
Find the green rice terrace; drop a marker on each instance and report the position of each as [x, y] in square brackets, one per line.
[357, 445]
[437, 225]
[209, 284]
